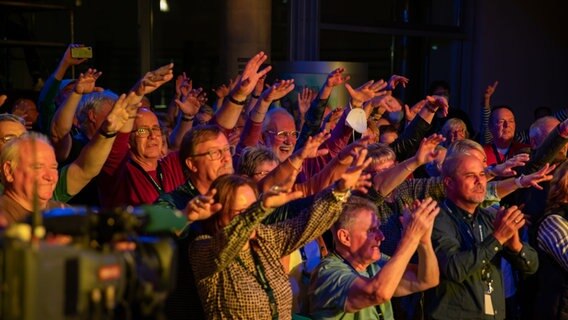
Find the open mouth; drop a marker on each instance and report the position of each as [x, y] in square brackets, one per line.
[285, 148]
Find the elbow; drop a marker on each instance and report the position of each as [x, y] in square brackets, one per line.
[382, 296]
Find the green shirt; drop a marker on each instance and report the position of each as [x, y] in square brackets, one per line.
[330, 284]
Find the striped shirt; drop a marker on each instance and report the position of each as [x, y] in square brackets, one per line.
[552, 238]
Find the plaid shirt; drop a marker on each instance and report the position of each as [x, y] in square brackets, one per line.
[229, 290]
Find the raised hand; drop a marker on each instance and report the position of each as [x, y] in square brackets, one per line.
[280, 194]
[505, 169]
[419, 220]
[86, 82]
[120, 113]
[427, 150]
[222, 91]
[387, 102]
[410, 113]
[438, 104]
[68, 60]
[202, 207]
[533, 180]
[278, 90]
[250, 76]
[305, 98]
[183, 85]
[351, 151]
[366, 92]
[490, 90]
[192, 102]
[336, 78]
[507, 223]
[311, 148]
[154, 79]
[350, 179]
[395, 80]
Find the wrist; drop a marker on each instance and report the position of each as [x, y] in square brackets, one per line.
[340, 192]
[519, 181]
[237, 99]
[107, 134]
[187, 117]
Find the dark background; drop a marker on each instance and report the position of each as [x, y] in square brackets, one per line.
[470, 44]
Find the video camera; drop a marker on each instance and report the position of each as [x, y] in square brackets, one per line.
[92, 275]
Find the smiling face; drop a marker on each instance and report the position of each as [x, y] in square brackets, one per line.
[282, 145]
[22, 175]
[146, 148]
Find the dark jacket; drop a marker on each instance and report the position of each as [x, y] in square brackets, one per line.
[466, 248]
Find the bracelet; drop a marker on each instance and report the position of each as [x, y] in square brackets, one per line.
[186, 118]
[518, 181]
[255, 96]
[108, 134]
[240, 103]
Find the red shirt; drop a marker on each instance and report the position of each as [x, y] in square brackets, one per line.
[122, 182]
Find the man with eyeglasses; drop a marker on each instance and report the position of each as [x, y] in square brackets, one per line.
[135, 172]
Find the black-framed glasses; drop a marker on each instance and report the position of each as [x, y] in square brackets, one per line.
[285, 134]
[144, 132]
[216, 154]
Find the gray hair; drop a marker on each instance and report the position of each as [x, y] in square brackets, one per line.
[350, 211]
[11, 151]
[252, 157]
[538, 130]
[268, 119]
[463, 147]
[93, 101]
[12, 118]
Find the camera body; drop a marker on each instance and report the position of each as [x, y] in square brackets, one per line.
[88, 278]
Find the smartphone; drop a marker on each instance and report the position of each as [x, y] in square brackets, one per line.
[82, 52]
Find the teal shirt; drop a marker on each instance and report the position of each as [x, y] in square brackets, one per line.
[330, 284]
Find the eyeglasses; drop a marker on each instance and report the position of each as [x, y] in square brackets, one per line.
[285, 134]
[216, 154]
[9, 137]
[261, 173]
[144, 132]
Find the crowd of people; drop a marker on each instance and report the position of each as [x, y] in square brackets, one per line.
[305, 210]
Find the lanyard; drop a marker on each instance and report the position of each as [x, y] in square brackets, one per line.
[260, 277]
[379, 311]
[498, 155]
[157, 185]
[485, 270]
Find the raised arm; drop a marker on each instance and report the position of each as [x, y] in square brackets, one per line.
[46, 100]
[365, 292]
[94, 154]
[189, 106]
[227, 116]
[385, 182]
[63, 120]
[314, 116]
[485, 136]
